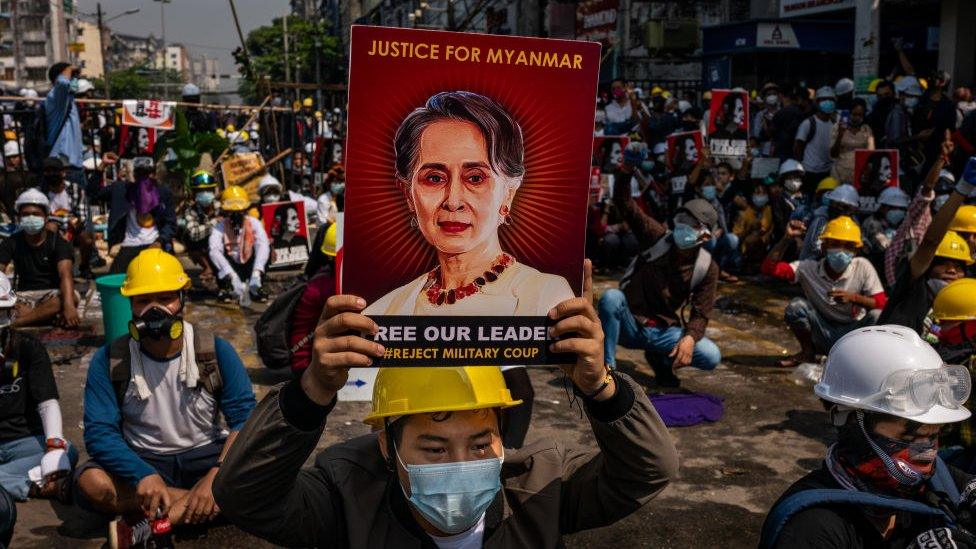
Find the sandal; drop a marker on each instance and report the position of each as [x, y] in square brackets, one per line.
[793, 361]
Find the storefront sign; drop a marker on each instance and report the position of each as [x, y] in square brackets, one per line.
[776, 35]
[793, 8]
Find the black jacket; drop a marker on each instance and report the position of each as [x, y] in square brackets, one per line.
[164, 214]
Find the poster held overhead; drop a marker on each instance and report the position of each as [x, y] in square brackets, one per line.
[466, 195]
[874, 171]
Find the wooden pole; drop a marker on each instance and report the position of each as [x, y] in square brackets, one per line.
[118, 103]
[246, 125]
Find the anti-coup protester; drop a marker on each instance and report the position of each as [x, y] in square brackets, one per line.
[436, 474]
[882, 483]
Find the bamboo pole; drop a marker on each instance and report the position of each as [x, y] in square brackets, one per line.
[118, 103]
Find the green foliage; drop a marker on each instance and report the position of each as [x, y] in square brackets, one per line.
[267, 51]
[125, 84]
[187, 148]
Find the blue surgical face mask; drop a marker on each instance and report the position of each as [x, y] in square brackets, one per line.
[685, 236]
[74, 85]
[205, 198]
[828, 106]
[911, 102]
[709, 192]
[647, 165]
[825, 199]
[760, 200]
[453, 496]
[32, 224]
[337, 188]
[839, 259]
[793, 184]
[894, 217]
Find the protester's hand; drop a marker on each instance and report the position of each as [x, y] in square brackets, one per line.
[943, 538]
[70, 314]
[683, 352]
[337, 346]
[55, 464]
[948, 147]
[635, 153]
[796, 229]
[108, 159]
[200, 504]
[577, 320]
[842, 296]
[152, 494]
[237, 285]
[255, 282]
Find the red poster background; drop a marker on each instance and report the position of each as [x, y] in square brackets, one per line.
[675, 139]
[866, 165]
[599, 142]
[554, 107]
[271, 225]
[717, 110]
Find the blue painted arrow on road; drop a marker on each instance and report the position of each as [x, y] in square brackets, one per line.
[357, 383]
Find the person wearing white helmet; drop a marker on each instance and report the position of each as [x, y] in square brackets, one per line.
[882, 483]
[790, 177]
[843, 200]
[13, 156]
[269, 189]
[812, 145]
[880, 227]
[199, 121]
[43, 263]
[35, 458]
[898, 126]
[844, 90]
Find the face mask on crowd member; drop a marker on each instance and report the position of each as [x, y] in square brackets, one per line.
[839, 254]
[31, 219]
[828, 106]
[759, 198]
[204, 198]
[689, 232]
[894, 216]
[792, 184]
[157, 316]
[709, 191]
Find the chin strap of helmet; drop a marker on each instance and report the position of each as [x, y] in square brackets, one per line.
[906, 476]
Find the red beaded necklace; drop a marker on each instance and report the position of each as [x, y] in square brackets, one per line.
[437, 295]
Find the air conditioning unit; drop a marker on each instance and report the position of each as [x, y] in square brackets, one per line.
[672, 35]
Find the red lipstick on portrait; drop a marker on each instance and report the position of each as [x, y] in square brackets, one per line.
[453, 226]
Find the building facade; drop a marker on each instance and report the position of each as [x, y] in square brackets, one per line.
[90, 50]
[34, 34]
[126, 51]
[205, 73]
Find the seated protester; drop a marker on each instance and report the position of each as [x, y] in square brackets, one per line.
[880, 227]
[670, 272]
[618, 243]
[16, 178]
[842, 201]
[882, 483]
[35, 459]
[197, 221]
[754, 229]
[68, 212]
[954, 314]
[270, 189]
[841, 292]
[239, 248]
[821, 199]
[439, 430]
[308, 311]
[151, 409]
[791, 203]
[43, 263]
[918, 216]
[141, 214]
[724, 246]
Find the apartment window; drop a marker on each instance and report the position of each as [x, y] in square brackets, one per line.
[8, 73]
[34, 48]
[28, 24]
[38, 74]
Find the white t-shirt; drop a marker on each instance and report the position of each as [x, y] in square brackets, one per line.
[139, 234]
[859, 278]
[816, 156]
[617, 112]
[470, 539]
[60, 202]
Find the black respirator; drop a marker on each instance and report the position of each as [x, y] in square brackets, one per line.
[156, 323]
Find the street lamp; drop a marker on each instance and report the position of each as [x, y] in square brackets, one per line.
[101, 41]
[318, 72]
[162, 24]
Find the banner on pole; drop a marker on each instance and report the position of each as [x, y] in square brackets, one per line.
[149, 113]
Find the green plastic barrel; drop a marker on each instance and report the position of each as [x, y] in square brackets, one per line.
[116, 312]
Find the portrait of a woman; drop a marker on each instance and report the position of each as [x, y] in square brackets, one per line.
[730, 117]
[877, 174]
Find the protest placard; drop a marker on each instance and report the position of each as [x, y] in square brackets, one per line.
[149, 113]
[287, 226]
[874, 170]
[728, 124]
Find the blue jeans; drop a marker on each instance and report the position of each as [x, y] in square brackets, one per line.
[620, 328]
[725, 251]
[20, 455]
[802, 314]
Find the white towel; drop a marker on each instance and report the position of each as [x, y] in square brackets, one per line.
[188, 375]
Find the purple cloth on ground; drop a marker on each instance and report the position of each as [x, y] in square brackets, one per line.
[143, 195]
[686, 409]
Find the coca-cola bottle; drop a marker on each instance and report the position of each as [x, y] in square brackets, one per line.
[162, 533]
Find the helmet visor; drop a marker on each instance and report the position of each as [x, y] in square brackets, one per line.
[915, 392]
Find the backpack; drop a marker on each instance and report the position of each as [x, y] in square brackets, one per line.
[36, 145]
[657, 251]
[273, 328]
[120, 365]
[779, 515]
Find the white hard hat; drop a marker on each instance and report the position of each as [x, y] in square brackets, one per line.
[190, 90]
[825, 92]
[32, 196]
[845, 194]
[893, 196]
[85, 85]
[844, 85]
[683, 106]
[336, 110]
[889, 369]
[660, 148]
[790, 165]
[909, 85]
[268, 180]
[308, 147]
[947, 175]
[8, 298]
[12, 148]
[28, 92]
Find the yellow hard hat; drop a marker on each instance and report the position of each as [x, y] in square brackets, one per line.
[234, 199]
[296, 105]
[957, 301]
[954, 246]
[924, 83]
[965, 220]
[666, 94]
[827, 184]
[329, 241]
[231, 128]
[656, 90]
[221, 132]
[154, 271]
[408, 391]
[9, 135]
[318, 114]
[307, 102]
[244, 136]
[873, 86]
[842, 228]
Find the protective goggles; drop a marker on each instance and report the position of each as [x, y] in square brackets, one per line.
[914, 392]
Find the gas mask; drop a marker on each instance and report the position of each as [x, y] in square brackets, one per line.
[156, 322]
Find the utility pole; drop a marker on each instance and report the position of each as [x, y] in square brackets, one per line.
[162, 23]
[284, 35]
[15, 29]
[101, 51]
[867, 42]
[318, 73]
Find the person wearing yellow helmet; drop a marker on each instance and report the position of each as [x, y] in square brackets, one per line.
[964, 223]
[153, 401]
[436, 471]
[239, 248]
[841, 292]
[196, 221]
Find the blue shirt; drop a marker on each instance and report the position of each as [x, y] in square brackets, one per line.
[103, 418]
[68, 143]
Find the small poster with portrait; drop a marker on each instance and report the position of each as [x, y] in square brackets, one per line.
[684, 151]
[287, 226]
[874, 171]
[466, 191]
[728, 124]
[608, 151]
